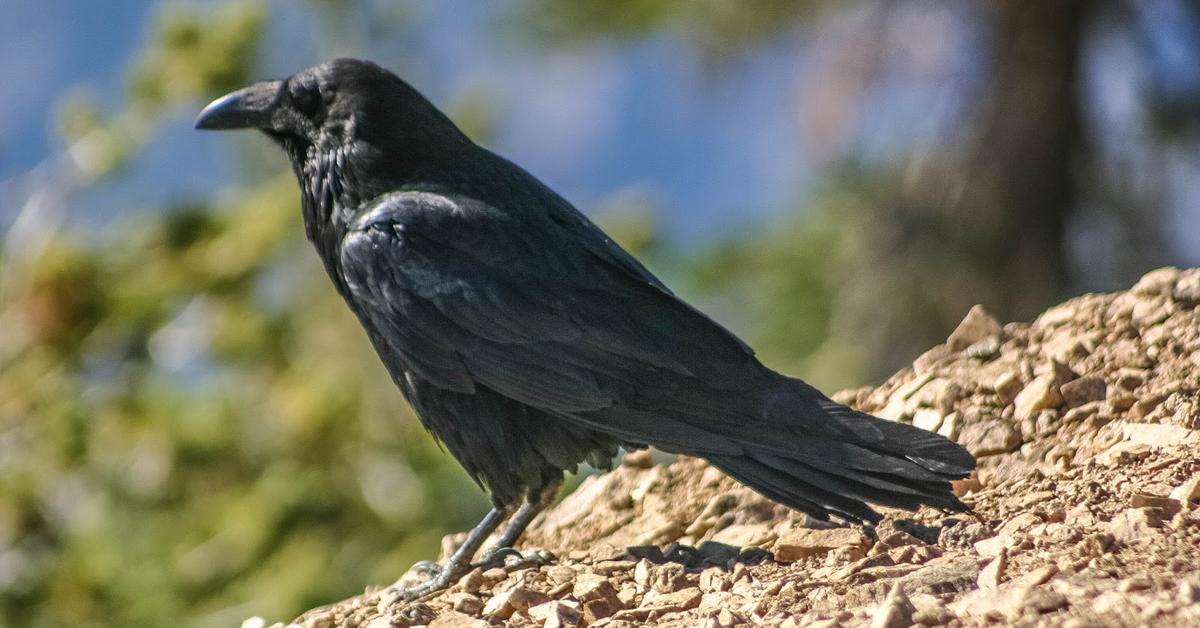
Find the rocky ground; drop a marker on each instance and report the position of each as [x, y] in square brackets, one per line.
[1085, 503]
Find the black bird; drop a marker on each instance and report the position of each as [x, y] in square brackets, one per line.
[528, 342]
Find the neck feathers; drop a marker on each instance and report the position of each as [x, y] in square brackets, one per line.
[328, 195]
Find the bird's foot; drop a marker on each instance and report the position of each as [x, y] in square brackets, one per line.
[509, 558]
[424, 578]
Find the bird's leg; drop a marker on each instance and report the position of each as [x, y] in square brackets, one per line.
[459, 562]
[502, 549]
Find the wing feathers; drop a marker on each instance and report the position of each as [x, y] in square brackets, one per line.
[579, 330]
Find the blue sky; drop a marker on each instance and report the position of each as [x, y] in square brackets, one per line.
[713, 147]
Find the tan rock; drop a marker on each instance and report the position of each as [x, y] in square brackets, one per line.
[414, 614]
[975, 326]
[468, 603]
[674, 602]
[556, 614]
[593, 588]
[1038, 576]
[714, 579]
[1080, 391]
[494, 576]
[450, 619]
[1187, 289]
[1188, 593]
[580, 503]
[504, 604]
[1188, 491]
[1130, 379]
[745, 535]
[1159, 434]
[926, 362]
[992, 547]
[640, 459]
[641, 573]
[560, 573]
[381, 621]
[319, 620]
[991, 575]
[1134, 524]
[950, 426]
[472, 582]
[1122, 453]
[1151, 311]
[599, 599]
[1040, 394]
[1160, 281]
[803, 542]
[1019, 524]
[596, 610]
[1009, 602]
[941, 576]
[1057, 315]
[929, 419]
[668, 577]
[896, 611]
[1007, 385]
[1166, 505]
[988, 438]
[966, 485]
[986, 349]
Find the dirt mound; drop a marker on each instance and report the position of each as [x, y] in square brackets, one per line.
[1085, 424]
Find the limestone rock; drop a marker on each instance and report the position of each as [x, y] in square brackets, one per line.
[1080, 391]
[896, 611]
[974, 327]
[803, 542]
[1040, 394]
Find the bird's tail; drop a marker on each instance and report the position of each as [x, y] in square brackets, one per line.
[842, 459]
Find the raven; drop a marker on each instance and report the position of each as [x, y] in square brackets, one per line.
[527, 341]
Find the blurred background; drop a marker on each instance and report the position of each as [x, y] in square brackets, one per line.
[193, 429]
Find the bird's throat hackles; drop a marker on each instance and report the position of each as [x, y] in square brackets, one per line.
[327, 188]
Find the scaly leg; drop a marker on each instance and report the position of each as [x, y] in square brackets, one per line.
[536, 502]
[458, 564]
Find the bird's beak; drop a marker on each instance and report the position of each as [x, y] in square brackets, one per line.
[249, 107]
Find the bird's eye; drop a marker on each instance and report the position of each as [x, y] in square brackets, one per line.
[306, 97]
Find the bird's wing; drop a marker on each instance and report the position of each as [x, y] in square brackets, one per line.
[542, 311]
[550, 313]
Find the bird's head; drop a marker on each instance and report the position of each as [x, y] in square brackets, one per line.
[351, 129]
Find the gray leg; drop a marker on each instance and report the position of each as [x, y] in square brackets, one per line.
[503, 547]
[458, 563]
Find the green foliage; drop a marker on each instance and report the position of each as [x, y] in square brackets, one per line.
[175, 446]
[193, 429]
[190, 57]
[781, 283]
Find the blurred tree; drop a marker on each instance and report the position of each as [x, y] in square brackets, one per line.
[998, 209]
[984, 218]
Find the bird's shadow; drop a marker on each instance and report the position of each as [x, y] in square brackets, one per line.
[708, 554]
[725, 556]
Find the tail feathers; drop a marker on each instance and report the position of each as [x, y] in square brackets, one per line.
[791, 492]
[931, 451]
[849, 459]
[823, 493]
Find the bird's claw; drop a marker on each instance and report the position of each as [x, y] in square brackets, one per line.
[398, 593]
[427, 569]
[507, 557]
[432, 578]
